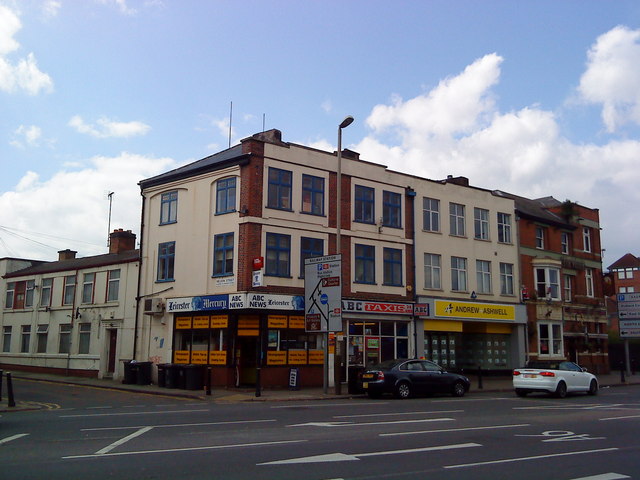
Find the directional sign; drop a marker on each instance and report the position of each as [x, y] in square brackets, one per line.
[323, 293]
[628, 297]
[629, 328]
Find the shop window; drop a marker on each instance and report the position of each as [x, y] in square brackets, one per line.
[278, 252]
[481, 223]
[365, 266]
[391, 209]
[430, 214]
[456, 220]
[226, 195]
[169, 208]
[550, 339]
[312, 195]
[374, 341]
[364, 211]
[279, 189]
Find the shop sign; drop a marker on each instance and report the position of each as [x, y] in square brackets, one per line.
[266, 302]
[277, 358]
[199, 357]
[358, 306]
[201, 321]
[218, 357]
[225, 281]
[183, 322]
[296, 321]
[181, 356]
[487, 311]
[197, 304]
[219, 321]
[421, 309]
[316, 357]
[277, 321]
[297, 357]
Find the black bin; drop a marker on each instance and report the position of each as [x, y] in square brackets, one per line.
[130, 372]
[355, 380]
[174, 376]
[193, 377]
[144, 373]
[162, 374]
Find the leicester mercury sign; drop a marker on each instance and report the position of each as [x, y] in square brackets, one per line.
[323, 294]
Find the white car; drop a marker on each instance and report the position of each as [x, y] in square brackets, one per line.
[554, 378]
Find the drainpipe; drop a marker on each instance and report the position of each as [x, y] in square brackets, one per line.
[411, 194]
[135, 324]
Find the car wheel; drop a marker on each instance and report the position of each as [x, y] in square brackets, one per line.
[371, 394]
[561, 390]
[593, 388]
[403, 390]
[458, 389]
[521, 393]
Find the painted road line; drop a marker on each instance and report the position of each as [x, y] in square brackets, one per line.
[115, 444]
[171, 425]
[318, 405]
[604, 476]
[432, 412]
[12, 438]
[462, 429]
[366, 424]
[344, 457]
[131, 413]
[185, 449]
[537, 457]
[619, 418]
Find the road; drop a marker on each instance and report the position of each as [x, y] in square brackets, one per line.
[110, 434]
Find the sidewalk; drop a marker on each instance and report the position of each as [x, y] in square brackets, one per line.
[488, 384]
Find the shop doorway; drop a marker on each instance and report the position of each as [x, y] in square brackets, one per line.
[246, 360]
[112, 339]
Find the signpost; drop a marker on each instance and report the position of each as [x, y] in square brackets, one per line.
[628, 321]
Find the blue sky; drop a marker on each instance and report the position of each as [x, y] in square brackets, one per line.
[536, 98]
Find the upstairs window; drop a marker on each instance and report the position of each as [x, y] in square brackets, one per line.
[456, 219]
[430, 214]
[69, 290]
[567, 294]
[279, 189]
[458, 274]
[588, 273]
[391, 209]
[10, 292]
[365, 271]
[28, 299]
[45, 292]
[166, 261]
[309, 248]
[223, 254]
[564, 243]
[548, 283]
[432, 271]
[278, 249]
[312, 195]
[169, 208]
[113, 285]
[364, 205]
[481, 223]
[586, 239]
[483, 276]
[87, 287]
[226, 195]
[504, 228]
[392, 262]
[540, 238]
[506, 279]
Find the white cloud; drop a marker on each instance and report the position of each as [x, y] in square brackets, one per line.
[106, 128]
[50, 8]
[612, 77]
[27, 136]
[121, 6]
[76, 200]
[24, 74]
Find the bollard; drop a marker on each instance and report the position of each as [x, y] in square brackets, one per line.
[622, 380]
[208, 382]
[12, 402]
[0, 385]
[480, 378]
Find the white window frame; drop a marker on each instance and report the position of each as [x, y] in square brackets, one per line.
[113, 285]
[551, 282]
[481, 223]
[504, 227]
[483, 276]
[45, 292]
[567, 292]
[564, 242]
[432, 271]
[459, 274]
[555, 347]
[84, 338]
[457, 219]
[506, 279]
[586, 239]
[540, 238]
[42, 334]
[588, 276]
[88, 282]
[430, 211]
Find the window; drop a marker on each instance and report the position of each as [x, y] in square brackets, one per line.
[564, 243]
[6, 339]
[588, 274]
[8, 299]
[279, 192]
[69, 289]
[84, 338]
[548, 283]
[87, 287]
[28, 299]
[391, 207]
[45, 292]
[278, 255]
[430, 214]
[504, 227]
[226, 195]
[481, 223]
[506, 279]
[365, 264]
[113, 285]
[166, 261]
[483, 276]
[169, 208]
[25, 339]
[19, 295]
[364, 205]
[312, 195]
[432, 271]
[586, 239]
[310, 247]
[626, 289]
[458, 274]
[223, 254]
[64, 345]
[392, 262]
[549, 338]
[456, 219]
[566, 286]
[540, 237]
[42, 334]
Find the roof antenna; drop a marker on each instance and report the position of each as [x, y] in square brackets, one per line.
[110, 196]
[230, 119]
[263, 117]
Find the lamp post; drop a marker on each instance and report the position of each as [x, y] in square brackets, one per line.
[338, 250]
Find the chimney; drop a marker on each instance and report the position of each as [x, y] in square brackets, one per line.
[121, 241]
[66, 255]
[462, 181]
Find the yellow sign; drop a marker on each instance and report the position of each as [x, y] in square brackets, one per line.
[297, 357]
[181, 356]
[296, 321]
[183, 322]
[488, 311]
[219, 321]
[248, 333]
[218, 357]
[277, 321]
[199, 357]
[248, 321]
[316, 357]
[201, 322]
[276, 358]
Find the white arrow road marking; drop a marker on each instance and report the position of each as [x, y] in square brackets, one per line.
[13, 437]
[131, 413]
[436, 412]
[604, 476]
[619, 418]
[344, 457]
[462, 429]
[352, 424]
[135, 434]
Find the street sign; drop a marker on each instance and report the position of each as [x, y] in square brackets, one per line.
[628, 297]
[323, 293]
[628, 306]
[629, 328]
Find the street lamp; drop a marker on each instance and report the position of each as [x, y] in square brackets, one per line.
[337, 377]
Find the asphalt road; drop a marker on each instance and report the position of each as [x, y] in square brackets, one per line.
[100, 434]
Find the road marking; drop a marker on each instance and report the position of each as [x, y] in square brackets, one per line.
[563, 436]
[317, 405]
[177, 425]
[13, 437]
[131, 413]
[352, 424]
[117, 443]
[620, 418]
[484, 399]
[604, 476]
[537, 457]
[186, 449]
[344, 457]
[462, 429]
[439, 412]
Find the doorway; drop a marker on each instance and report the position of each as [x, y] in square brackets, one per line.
[112, 339]
[246, 363]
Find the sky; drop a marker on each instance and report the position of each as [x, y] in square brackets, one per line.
[537, 98]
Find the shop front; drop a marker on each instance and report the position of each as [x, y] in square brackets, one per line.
[466, 336]
[242, 339]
